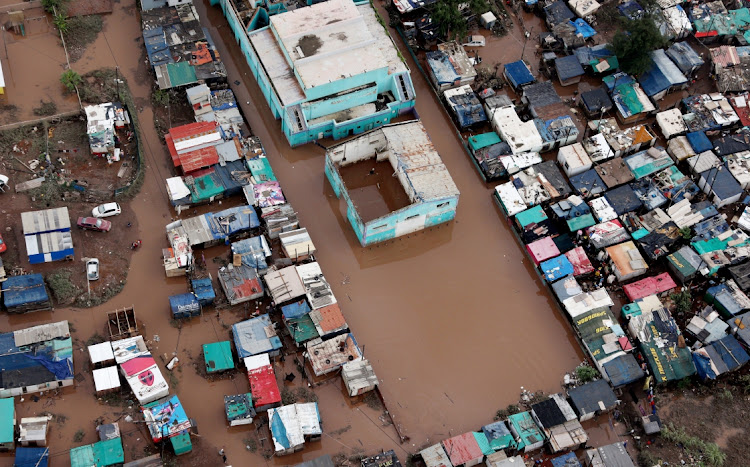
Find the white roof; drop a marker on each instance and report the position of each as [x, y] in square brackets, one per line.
[45, 220]
[597, 148]
[296, 243]
[106, 378]
[309, 418]
[200, 141]
[317, 289]
[33, 429]
[2, 78]
[585, 302]
[101, 352]
[703, 161]
[511, 199]
[292, 428]
[601, 207]
[284, 284]
[575, 157]
[41, 333]
[177, 188]
[332, 40]
[128, 348]
[521, 136]
[671, 123]
[257, 361]
[145, 392]
[583, 8]
[514, 163]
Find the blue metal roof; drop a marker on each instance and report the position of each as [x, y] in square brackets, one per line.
[722, 182]
[719, 357]
[253, 251]
[239, 218]
[442, 68]
[623, 199]
[204, 290]
[295, 310]
[623, 370]
[556, 268]
[558, 12]
[583, 28]
[250, 337]
[686, 59]
[518, 73]
[568, 67]
[588, 183]
[31, 457]
[662, 74]
[184, 305]
[24, 290]
[699, 141]
[156, 47]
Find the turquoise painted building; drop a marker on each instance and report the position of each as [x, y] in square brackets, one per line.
[412, 168]
[326, 70]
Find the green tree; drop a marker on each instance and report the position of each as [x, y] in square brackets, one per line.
[70, 79]
[61, 23]
[683, 301]
[52, 5]
[632, 46]
[450, 19]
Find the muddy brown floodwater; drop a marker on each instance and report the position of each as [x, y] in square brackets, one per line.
[454, 319]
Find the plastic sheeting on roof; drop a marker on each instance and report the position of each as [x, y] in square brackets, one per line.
[662, 75]
[686, 59]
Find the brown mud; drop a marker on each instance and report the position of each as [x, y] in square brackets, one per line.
[454, 319]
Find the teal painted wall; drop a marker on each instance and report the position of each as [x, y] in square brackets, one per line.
[335, 104]
[374, 231]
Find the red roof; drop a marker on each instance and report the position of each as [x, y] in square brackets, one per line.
[581, 263]
[649, 286]
[542, 250]
[742, 112]
[198, 159]
[248, 288]
[462, 449]
[331, 318]
[191, 130]
[263, 386]
[137, 364]
[172, 150]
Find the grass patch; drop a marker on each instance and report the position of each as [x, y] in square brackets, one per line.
[50, 193]
[81, 31]
[62, 288]
[78, 437]
[45, 109]
[711, 453]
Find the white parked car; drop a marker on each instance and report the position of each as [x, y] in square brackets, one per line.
[106, 210]
[92, 269]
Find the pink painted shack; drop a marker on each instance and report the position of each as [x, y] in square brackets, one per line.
[542, 250]
[580, 261]
[649, 286]
[463, 450]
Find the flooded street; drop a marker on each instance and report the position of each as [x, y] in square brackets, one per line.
[453, 319]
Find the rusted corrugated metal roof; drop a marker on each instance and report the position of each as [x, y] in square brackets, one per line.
[192, 129]
[725, 56]
[198, 159]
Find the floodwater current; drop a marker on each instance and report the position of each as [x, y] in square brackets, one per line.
[454, 319]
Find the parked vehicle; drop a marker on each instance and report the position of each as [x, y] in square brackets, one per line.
[106, 210]
[94, 223]
[92, 269]
[3, 246]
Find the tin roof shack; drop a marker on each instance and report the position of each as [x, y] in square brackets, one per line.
[649, 286]
[106, 380]
[101, 355]
[607, 233]
[566, 288]
[487, 150]
[33, 431]
[509, 199]
[569, 70]
[463, 450]
[166, 418]
[465, 106]
[708, 112]
[280, 218]
[556, 268]
[685, 264]
[326, 356]
[256, 336]
[623, 142]
[575, 212]
[264, 195]
[329, 321]
[660, 240]
[284, 284]
[680, 148]
[218, 356]
[101, 121]
[740, 273]
[359, 377]
[179, 256]
[239, 409]
[145, 378]
[500, 459]
[47, 235]
[588, 183]
[670, 123]
[203, 290]
[34, 457]
[421, 194]
[573, 159]
[542, 250]
[184, 305]
[559, 423]
[556, 127]
[602, 209]
[686, 59]
[648, 162]
[720, 185]
[297, 245]
[706, 326]
[662, 77]
[240, 283]
[518, 74]
[597, 59]
[614, 172]
[317, 289]
[36, 359]
[626, 261]
[291, 425]
[386, 458]
[522, 137]
[435, 456]
[180, 51]
[739, 166]
[592, 399]
[728, 299]
[193, 146]
[7, 424]
[26, 293]
[556, 13]
[215, 228]
[253, 252]
[699, 141]
[527, 434]
[263, 385]
[450, 66]
[623, 200]
[499, 436]
[611, 455]
[702, 162]
[596, 102]
[740, 105]
[630, 100]
[663, 345]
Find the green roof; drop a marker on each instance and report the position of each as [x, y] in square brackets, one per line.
[181, 443]
[530, 216]
[482, 141]
[578, 223]
[630, 97]
[218, 356]
[239, 407]
[630, 310]
[204, 188]
[261, 169]
[484, 445]
[8, 415]
[302, 329]
[181, 73]
[593, 329]
[82, 456]
[713, 244]
[668, 363]
[526, 428]
[108, 452]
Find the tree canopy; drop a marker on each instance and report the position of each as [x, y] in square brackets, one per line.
[451, 21]
[633, 44]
